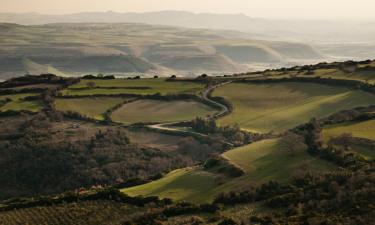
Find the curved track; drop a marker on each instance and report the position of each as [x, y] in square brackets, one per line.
[169, 126]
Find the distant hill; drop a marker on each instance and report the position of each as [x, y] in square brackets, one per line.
[127, 48]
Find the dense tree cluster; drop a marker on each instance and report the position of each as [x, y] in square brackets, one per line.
[35, 163]
[232, 133]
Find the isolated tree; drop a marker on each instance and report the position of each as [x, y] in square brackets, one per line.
[173, 77]
[156, 76]
[293, 143]
[91, 84]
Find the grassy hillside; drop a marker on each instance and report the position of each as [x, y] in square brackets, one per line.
[90, 107]
[276, 107]
[262, 161]
[160, 111]
[138, 86]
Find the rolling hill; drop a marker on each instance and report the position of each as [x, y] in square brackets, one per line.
[262, 161]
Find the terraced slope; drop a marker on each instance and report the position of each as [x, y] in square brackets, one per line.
[93, 107]
[160, 111]
[280, 106]
[262, 161]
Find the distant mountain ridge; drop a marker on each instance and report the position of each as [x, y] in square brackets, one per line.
[302, 30]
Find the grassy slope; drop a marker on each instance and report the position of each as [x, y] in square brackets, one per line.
[17, 104]
[156, 86]
[160, 111]
[91, 107]
[267, 107]
[262, 161]
[364, 129]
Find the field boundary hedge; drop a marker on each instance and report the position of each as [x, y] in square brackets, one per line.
[355, 84]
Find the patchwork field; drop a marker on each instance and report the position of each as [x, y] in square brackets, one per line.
[276, 107]
[137, 86]
[160, 111]
[93, 107]
[262, 161]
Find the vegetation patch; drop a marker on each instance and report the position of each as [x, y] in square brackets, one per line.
[221, 165]
[148, 111]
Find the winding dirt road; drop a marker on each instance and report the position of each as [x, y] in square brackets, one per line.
[169, 126]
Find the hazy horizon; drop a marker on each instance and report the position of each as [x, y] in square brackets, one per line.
[287, 9]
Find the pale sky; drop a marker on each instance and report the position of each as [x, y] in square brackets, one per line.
[303, 9]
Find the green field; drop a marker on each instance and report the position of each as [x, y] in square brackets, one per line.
[160, 111]
[20, 105]
[125, 86]
[276, 107]
[93, 107]
[262, 161]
